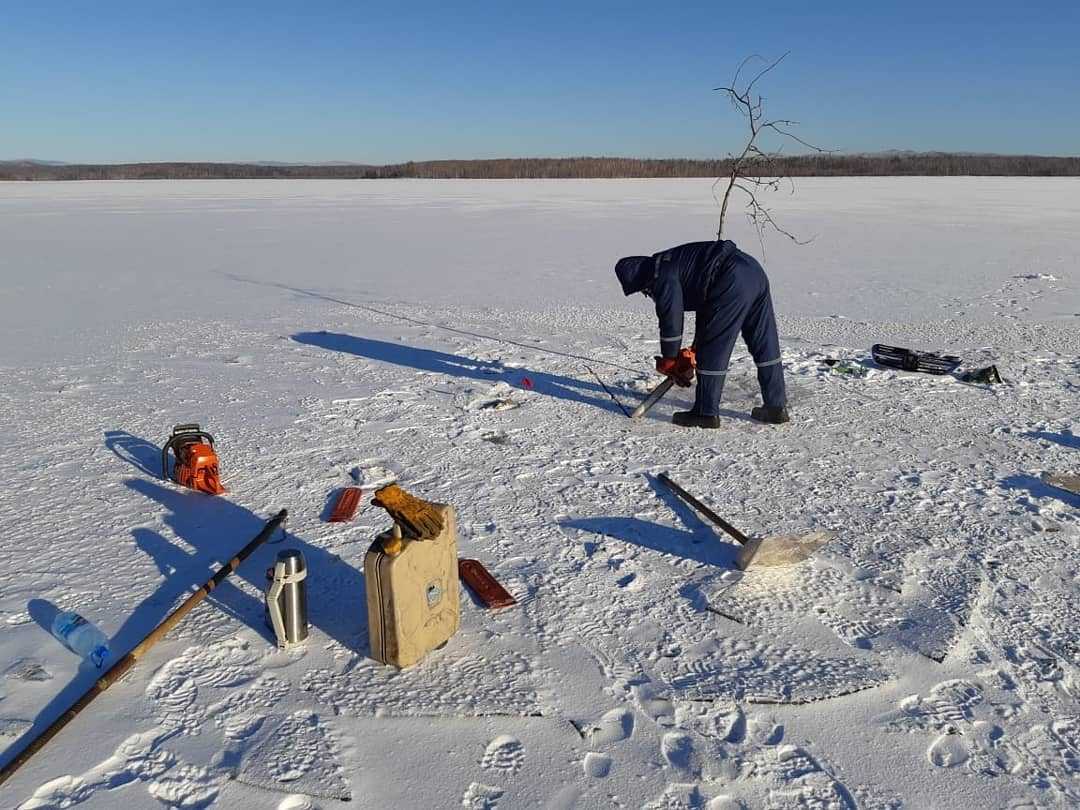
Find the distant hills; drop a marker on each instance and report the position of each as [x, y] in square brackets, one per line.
[883, 164]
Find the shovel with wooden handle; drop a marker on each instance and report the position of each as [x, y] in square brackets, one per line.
[776, 550]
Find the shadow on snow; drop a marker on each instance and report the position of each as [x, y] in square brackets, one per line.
[139, 453]
[208, 531]
[453, 365]
[1039, 489]
[1066, 438]
[697, 542]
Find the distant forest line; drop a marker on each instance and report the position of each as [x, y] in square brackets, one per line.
[930, 164]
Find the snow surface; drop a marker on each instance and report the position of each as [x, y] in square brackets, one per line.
[929, 657]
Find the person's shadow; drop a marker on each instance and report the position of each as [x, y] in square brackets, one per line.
[552, 385]
[698, 542]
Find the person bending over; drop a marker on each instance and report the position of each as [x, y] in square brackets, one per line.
[729, 292]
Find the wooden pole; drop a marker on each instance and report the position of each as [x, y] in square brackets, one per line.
[124, 665]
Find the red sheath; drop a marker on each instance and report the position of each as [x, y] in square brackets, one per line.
[484, 585]
[346, 505]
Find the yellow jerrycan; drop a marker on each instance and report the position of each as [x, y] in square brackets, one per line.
[411, 575]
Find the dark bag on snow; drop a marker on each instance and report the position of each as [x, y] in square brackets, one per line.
[908, 360]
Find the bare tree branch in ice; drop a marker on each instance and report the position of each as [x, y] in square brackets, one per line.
[754, 171]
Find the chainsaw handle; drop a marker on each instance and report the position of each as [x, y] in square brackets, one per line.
[182, 434]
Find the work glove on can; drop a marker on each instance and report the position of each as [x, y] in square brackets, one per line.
[419, 519]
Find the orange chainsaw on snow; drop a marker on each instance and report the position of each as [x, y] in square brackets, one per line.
[195, 464]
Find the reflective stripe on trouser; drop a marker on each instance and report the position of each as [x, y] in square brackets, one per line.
[710, 388]
[759, 332]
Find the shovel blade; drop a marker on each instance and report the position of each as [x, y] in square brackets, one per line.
[779, 549]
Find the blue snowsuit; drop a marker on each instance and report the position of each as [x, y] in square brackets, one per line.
[729, 292]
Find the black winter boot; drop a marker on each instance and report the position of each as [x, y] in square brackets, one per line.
[772, 414]
[691, 419]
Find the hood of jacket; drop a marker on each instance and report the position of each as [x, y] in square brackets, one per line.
[635, 273]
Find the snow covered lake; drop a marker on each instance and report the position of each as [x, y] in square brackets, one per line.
[929, 657]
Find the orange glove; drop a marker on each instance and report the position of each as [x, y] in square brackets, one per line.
[679, 368]
[418, 519]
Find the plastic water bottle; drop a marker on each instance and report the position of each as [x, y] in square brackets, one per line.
[81, 637]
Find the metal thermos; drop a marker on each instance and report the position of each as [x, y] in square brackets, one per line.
[286, 598]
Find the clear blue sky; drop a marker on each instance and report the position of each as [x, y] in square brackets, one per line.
[383, 82]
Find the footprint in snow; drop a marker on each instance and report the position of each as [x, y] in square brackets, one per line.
[596, 766]
[679, 797]
[11, 729]
[720, 720]
[481, 797]
[139, 758]
[495, 436]
[505, 754]
[498, 398]
[630, 582]
[678, 750]
[28, 669]
[947, 751]
[765, 731]
[655, 706]
[858, 634]
[948, 706]
[615, 726]
[295, 753]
